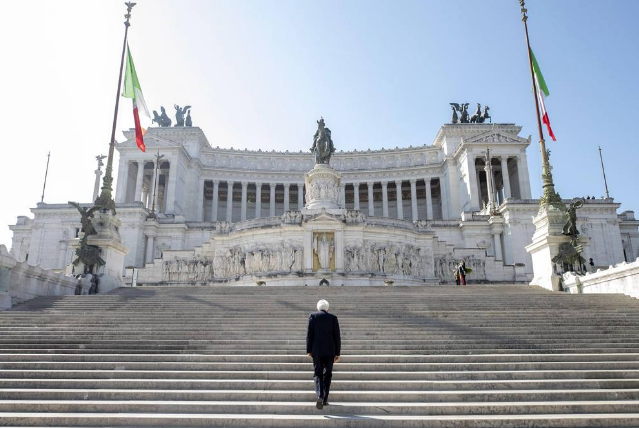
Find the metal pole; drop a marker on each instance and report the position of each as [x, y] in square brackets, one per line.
[603, 170]
[47, 173]
[105, 200]
[549, 196]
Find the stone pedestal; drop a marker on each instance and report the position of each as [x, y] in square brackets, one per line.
[322, 189]
[111, 250]
[546, 240]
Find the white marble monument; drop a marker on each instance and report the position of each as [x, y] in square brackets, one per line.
[407, 214]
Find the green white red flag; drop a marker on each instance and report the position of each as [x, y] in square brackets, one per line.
[542, 92]
[133, 90]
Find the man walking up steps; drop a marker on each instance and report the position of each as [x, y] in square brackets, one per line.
[323, 345]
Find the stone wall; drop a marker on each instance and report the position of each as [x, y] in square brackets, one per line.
[620, 278]
[20, 281]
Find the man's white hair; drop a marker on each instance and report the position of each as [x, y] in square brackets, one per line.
[322, 305]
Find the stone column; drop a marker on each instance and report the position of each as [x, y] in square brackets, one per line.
[524, 179]
[258, 200]
[342, 195]
[156, 189]
[123, 181]
[287, 195]
[244, 200]
[385, 198]
[413, 198]
[215, 203]
[96, 186]
[497, 244]
[300, 196]
[138, 182]
[473, 186]
[371, 202]
[400, 207]
[356, 195]
[229, 201]
[62, 253]
[200, 202]
[169, 191]
[150, 247]
[429, 199]
[272, 199]
[505, 176]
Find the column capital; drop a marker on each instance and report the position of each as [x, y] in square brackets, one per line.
[503, 158]
[428, 179]
[258, 185]
[216, 182]
[355, 183]
[384, 183]
[244, 183]
[272, 185]
[370, 183]
[399, 182]
[287, 185]
[230, 182]
[413, 181]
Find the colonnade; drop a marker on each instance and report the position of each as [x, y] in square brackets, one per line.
[414, 195]
[139, 184]
[509, 179]
[232, 201]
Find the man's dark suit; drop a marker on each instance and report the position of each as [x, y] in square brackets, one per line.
[323, 342]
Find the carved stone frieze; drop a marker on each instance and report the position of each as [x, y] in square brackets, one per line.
[236, 262]
[389, 259]
[446, 265]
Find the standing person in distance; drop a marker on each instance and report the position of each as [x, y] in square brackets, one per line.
[323, 345]
[462, 272]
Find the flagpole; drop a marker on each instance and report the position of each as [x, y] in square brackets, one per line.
[549, 195]
[603, 170]
[47, 173]
[105, 200]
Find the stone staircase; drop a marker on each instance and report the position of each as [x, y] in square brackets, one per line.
[478, 356]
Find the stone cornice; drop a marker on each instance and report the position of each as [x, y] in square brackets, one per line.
[471, 129]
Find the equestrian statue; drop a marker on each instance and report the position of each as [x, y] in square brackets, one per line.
[322, 143]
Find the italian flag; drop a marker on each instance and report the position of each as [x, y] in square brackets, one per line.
[542, 92]
[133, 90]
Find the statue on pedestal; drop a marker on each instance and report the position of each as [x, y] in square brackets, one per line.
[86, 216]
[179, 114]
[89, 255]
[322, 143]
[570, 228]
[161, 119]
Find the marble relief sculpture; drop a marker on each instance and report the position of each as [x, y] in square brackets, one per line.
[445, 265]
[235, 262]
[387, 258]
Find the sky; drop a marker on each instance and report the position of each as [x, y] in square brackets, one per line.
[259, 73]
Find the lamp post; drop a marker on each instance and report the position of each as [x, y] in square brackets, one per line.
[105, 200]
[549, 195]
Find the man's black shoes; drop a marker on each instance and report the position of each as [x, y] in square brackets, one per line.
[319, 404]
[326, 403]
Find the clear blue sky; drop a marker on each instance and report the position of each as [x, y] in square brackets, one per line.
[259, 73]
